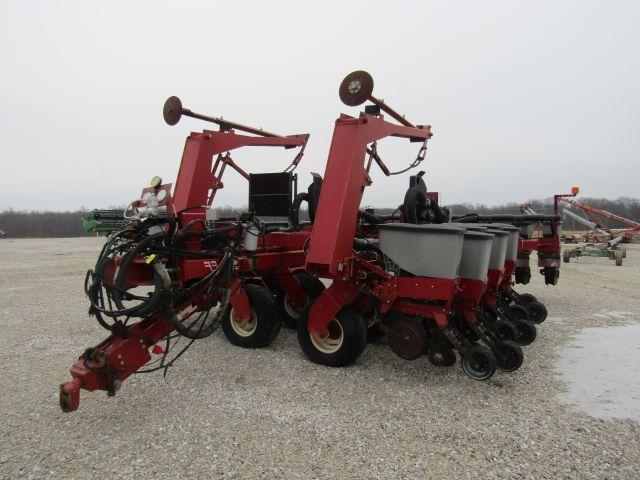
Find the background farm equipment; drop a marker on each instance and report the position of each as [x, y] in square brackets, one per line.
[104, 221]
[595, 215]
[615, 253]
[612, 246]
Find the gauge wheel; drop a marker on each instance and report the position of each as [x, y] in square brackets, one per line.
[505, 330]
[345, 343]
[566, 256]
[526, 299]
[509, 356]
[262, 327]
[619, 257]
[537, 312]
[527, 332]
[479, 364]
[519, 312]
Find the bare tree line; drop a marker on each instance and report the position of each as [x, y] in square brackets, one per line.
[69, 224]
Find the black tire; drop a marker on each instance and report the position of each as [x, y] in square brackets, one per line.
[624, 251]
[311, 285]
[482, 364]
[527, 332]
[374, 334]
[263, 326]
[348, 325]
[526, 299]
[505, 330]
[509, 356]
[566, 256]
[518, 312]
[442, 357]
[537, 312]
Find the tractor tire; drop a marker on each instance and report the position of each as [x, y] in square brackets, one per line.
[264, 325]
[346, 342]
[312, 287]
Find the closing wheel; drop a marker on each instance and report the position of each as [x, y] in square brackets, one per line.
[619, 257]
[509, 356]
[479, 364]
[311, 286]
[346, 340]
[263, 326]
[356, 88]
[505, 330]
[518, 312]
[442, 356]
[566, 256]
[526, 299]
[537, 312]
[527, 332]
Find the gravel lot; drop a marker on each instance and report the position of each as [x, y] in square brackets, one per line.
[224, 412]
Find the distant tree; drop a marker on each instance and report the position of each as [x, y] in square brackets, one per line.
[69, 224]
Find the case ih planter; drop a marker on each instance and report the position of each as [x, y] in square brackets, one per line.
[402, 278]
[173, 271]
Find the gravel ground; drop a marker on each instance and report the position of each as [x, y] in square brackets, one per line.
[224, 412]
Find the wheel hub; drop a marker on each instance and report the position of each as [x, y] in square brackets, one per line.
[244, 329]
[407, 339]
[355, 86]
[332, 342]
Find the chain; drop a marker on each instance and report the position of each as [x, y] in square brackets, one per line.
[373, 154]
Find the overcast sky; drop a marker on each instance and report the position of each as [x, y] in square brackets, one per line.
[525, 99]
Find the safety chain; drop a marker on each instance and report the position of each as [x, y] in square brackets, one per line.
[295, 162]
[419, 158]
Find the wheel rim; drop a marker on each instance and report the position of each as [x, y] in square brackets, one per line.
[248, 328]
[504, 331]
[334, 340]
[354, 87]
[289, 310]
[479, 367]
[508, 359]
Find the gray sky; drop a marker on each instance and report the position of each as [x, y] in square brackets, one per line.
[526, 99]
